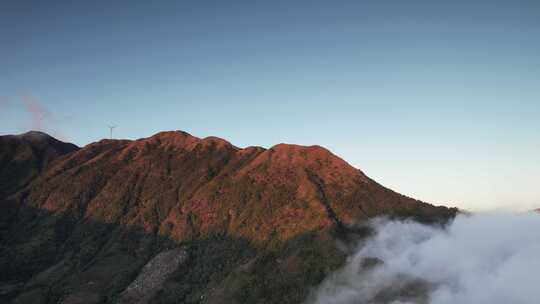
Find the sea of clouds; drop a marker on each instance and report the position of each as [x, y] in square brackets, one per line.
[480, 258]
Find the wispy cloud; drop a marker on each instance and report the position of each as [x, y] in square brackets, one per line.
[39, 115]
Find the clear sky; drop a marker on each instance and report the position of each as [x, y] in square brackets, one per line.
[439, 100]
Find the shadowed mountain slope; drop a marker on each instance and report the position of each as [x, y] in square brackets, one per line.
[250, 225]
[23, 157]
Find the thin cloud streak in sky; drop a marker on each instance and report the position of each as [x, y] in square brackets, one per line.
[41, 118]
[39, 114]
[483, 258]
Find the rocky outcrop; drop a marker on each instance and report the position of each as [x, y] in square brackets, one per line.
[153, 276]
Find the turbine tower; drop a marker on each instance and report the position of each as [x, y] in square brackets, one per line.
[111, 128]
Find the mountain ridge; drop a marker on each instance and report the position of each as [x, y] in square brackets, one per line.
[253, 209]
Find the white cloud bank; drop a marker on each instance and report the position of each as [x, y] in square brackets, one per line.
[487, 258]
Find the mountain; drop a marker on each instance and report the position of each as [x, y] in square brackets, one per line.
[23, 157]
[178, 219]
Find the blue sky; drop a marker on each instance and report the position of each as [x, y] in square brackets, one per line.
[439, 100]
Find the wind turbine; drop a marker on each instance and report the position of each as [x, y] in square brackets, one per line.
[111, 128]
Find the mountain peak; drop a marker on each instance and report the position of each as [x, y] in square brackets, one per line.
[33, 134]
[182, 140]
[23, 157]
